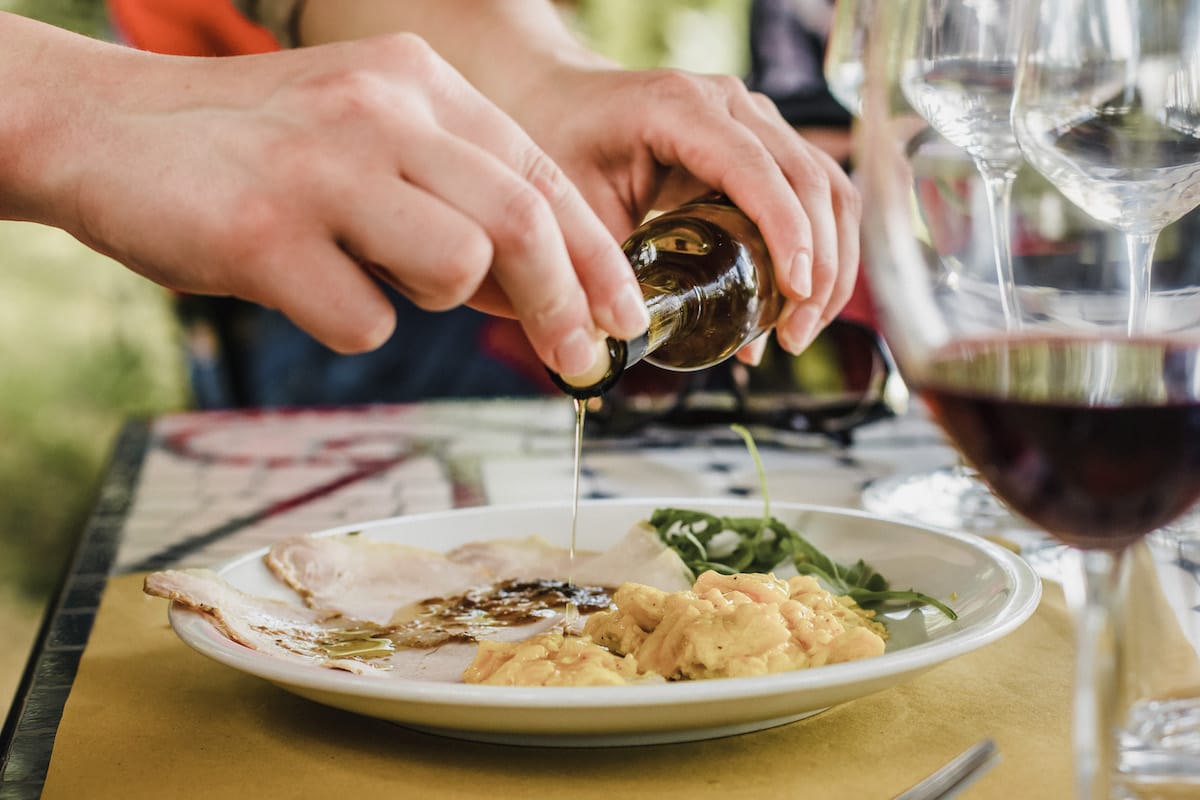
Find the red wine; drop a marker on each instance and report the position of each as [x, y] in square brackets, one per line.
[1097, 441]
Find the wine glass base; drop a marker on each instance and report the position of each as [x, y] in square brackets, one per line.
[1184, 533]
[1160, 749]
[948, 497]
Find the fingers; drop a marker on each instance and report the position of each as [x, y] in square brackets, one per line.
[440, 232]
[833, 281]
[531, 264]
[601, 268]
[472, 210]
[324, 292]
[803, 203]
[831, 200]
[752, 353]
[729, 156]
[431, 251]
[618, 306]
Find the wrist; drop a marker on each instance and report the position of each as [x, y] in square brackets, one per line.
[54, 83]
[505, 49]
[37, 102]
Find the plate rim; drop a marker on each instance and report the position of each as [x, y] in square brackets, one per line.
[1025, 590]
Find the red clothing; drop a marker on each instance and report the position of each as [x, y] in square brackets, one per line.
[189, 27]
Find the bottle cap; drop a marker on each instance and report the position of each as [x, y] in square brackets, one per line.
[601, 378]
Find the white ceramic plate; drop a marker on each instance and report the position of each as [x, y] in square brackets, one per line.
[992, 590]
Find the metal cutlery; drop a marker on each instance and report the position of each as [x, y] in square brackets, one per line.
[956, 775]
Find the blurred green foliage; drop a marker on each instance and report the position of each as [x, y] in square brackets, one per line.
[83, 16]
[84, 344]
[698, 35]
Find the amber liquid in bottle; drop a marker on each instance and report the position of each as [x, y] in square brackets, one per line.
[709, 286]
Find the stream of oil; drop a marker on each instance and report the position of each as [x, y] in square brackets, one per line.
[572, 611]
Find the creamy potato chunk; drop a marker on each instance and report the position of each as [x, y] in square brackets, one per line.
[550, 659]
[735, 626]
[724, 626]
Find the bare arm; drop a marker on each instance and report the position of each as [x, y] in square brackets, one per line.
[290, 179]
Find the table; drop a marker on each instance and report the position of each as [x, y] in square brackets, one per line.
[194, 489]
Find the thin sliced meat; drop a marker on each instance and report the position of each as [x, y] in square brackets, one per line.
[638, 558]
[528, 559]
[276, 628]
[364, 579]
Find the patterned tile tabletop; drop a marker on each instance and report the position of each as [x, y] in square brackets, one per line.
[199, 489]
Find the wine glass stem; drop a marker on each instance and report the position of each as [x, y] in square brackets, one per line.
[1140, 249]
[998, 182]
[1091, 586]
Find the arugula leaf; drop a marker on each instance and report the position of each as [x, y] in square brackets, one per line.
[760, 544]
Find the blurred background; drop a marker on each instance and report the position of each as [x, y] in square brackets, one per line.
[85, 344]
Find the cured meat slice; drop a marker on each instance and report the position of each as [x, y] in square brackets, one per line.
[273, 627]
[366, 579]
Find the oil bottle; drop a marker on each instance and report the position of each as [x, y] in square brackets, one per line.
[709, 287]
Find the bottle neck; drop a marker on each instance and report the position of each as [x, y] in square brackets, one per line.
[668, 316]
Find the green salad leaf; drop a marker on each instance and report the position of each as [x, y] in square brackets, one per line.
[761, 544]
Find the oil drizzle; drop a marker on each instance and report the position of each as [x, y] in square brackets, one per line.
[571, 615]
[359, 643]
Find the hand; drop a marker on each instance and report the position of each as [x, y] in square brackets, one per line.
[275, 177]
[633, 141]
[636, 140]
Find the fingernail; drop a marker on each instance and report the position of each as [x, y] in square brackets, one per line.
[752, 354]
[800, 329]
[582, 358]
[629, 313]
[800, 276]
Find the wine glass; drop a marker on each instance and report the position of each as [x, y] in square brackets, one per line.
[1085, 424]
[1110, 113]
[845, 52]
[950, 496]
[958, 59]
[1107, 107]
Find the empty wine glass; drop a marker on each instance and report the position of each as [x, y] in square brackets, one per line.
[1109, 111]
[958, 62]
[845, 52]
[1086, 426]
[950, 496]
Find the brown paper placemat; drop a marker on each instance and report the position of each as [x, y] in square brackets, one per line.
[148, 717]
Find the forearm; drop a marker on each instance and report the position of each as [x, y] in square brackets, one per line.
[42, 74]
[504, 47]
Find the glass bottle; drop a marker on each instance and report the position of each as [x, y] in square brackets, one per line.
[709, 287]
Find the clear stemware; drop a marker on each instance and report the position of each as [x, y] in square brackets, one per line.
[1107, 107]
[958, 60]
[949, 496]
[1081, 412]
[1109, 111]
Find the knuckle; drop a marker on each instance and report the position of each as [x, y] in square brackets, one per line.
[253, 232]
[544, 175]
[354, 94]
[677, 86]
[525, 220]
[765, 105]
[752, 155]
[455, 277]
[410, 53]
[816, 180]
[552, 314]
[729, 85]
[850, 199]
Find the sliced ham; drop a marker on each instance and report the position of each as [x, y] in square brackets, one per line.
[276, 628]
